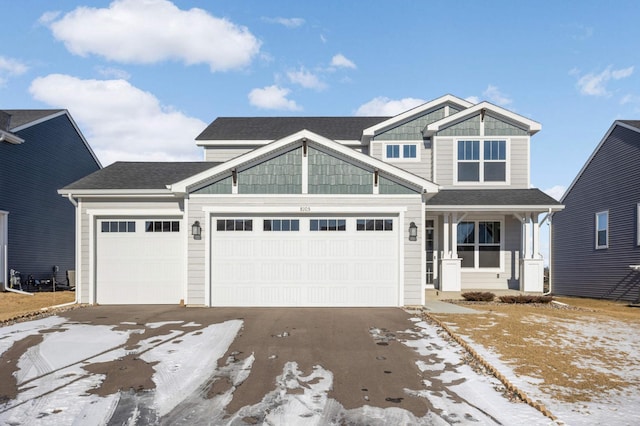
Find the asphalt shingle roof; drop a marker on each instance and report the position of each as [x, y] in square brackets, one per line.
[492, 197]
[24, 116]
[634, 123]
[140, 175]
[272, 128]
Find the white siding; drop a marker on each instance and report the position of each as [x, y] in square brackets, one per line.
[222, 154]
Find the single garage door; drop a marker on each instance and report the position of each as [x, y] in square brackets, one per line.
[139, 261]
[304, 261]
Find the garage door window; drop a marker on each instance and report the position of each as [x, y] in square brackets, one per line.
[328, 224]
[118, 226]
[374, 225]
[234, 225]
[162, 226]
[281, 225]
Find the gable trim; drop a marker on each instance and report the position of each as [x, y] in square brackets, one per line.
[405, 116]
[10, 138]
[595, 151]
[184, 185]
[532, 126]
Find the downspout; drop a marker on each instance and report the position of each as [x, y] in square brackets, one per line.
[75, 302]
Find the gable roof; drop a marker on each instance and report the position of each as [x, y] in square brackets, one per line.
[21, 119]
[184, 185]
[274, 128]
[408, 115]
[137, 175]
[499, 199]
[633, 125]
[531, 126]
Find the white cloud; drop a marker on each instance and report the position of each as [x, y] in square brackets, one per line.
[287, 22]
[10, 67]
[116, 73]
[595, 84]
[387, 107]
[272, 97]
[556, 191]
[494, 95]
[472, 99]
[341, 61]
[148, 31]
[306, 79]
[120, 121]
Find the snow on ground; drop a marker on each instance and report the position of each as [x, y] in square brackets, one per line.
[614, 337]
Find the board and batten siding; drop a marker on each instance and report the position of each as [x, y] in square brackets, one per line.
[41, 223]
[197, 204]
[610, 182]
[94, 206]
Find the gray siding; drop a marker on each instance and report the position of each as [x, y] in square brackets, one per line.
[224, 153]
[611, 181]
[41, 222]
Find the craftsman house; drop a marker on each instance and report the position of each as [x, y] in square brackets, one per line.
[320, 211]
[596, 239]
[40, 152]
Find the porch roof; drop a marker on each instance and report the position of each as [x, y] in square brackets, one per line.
[492, 200]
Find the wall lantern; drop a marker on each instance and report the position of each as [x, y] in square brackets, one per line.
[413, 232]
[196, 230]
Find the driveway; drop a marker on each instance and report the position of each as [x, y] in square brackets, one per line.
[172, 365]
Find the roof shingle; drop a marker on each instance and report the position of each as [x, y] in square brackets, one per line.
[492, 197]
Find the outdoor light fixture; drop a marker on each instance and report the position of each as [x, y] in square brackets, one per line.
[413, 232]
[196, 230]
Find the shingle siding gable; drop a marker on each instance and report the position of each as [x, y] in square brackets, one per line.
[609, 182]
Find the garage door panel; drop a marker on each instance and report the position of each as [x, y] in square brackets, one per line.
[303, 267]
[139, 267]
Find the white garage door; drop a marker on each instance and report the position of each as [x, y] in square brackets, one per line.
[310, 261]
[139, 261]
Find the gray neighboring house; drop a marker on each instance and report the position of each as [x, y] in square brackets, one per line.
[596, 239]
[320, 211]
[40, 151]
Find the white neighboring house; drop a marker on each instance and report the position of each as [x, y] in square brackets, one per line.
[320, 211]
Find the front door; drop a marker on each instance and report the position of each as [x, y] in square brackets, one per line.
[431, 249]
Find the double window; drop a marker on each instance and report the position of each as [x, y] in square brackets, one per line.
[479, 244]
[602, 230]
[401, 151]
[482, 161]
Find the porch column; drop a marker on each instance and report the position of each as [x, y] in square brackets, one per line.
[531, 264]
[536, 237]
[527, 236]
[454, 236]
[451, 276]
[445, 236]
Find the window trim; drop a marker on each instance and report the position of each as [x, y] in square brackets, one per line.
[476, 245]
[401, 146]
[638, 224]
[597, 230]
[481, 161]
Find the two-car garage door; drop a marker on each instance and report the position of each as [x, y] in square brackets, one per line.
[304, 261]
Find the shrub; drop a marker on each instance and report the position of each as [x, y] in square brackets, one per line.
[478, 296]
[525, 298]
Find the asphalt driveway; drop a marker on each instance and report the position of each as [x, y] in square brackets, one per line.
[172, 365]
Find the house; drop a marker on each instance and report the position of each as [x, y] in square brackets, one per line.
[596, 239]
[320, 211]
[40, 152]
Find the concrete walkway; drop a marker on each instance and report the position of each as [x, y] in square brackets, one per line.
[439, 307]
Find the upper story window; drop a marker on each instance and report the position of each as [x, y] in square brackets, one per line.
[401, 151]
[602, 230]
[482, 161]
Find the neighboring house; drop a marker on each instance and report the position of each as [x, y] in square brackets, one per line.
[40, 152]
[596, 239]
[320, 211]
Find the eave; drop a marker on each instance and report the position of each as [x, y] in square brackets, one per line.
[10, 138]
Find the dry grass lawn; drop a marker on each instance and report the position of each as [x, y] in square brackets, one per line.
[575, 352]
[14, 305]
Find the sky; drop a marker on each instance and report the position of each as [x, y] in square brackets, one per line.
[142, 78]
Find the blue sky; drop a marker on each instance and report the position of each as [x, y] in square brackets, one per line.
[143, 77]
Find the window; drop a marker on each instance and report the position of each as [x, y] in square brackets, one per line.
[479, 244]
[401, 151]
[602, 230]
[234, 225]
[281, 225]
[118, 226]
[486, 162]
[162, 226]
[374, 225]
[328, 225]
